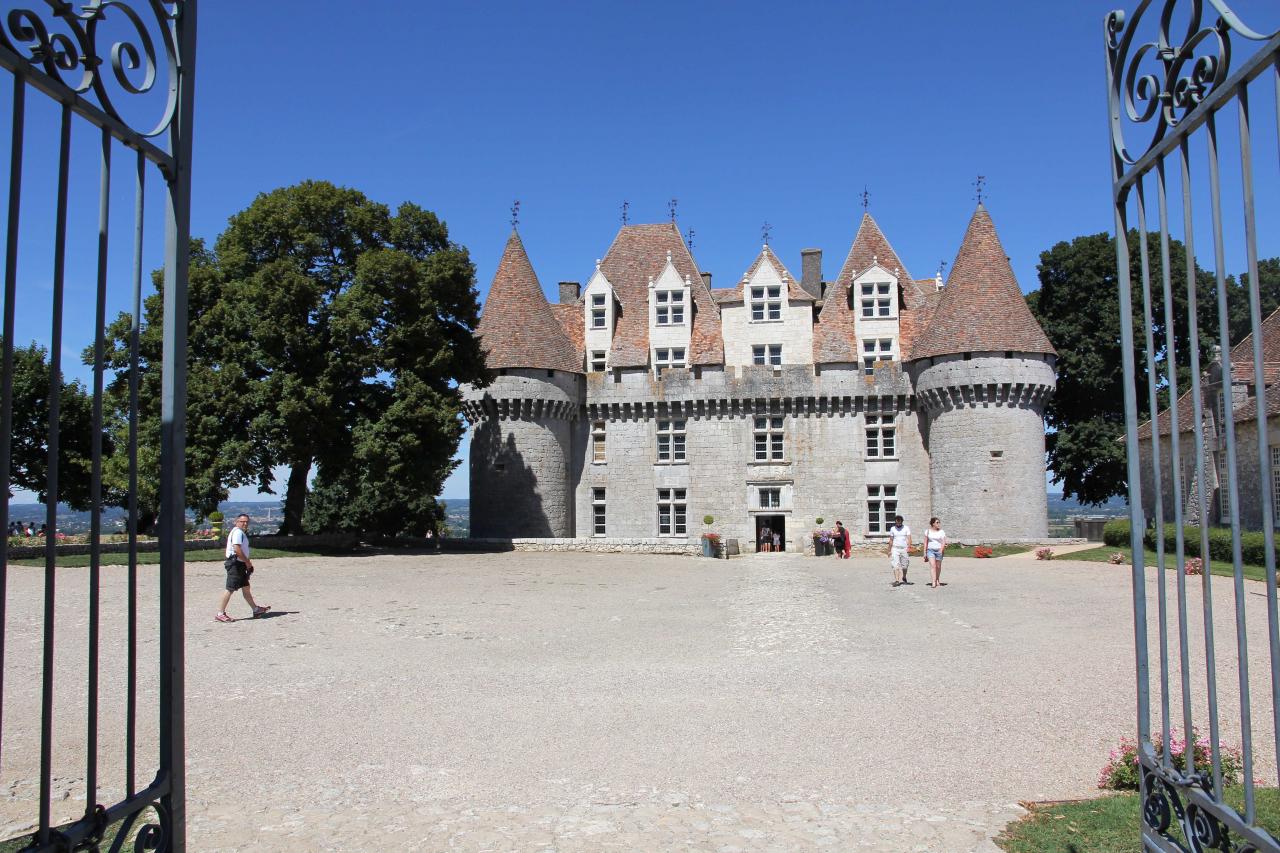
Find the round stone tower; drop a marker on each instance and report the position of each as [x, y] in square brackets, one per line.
[524, 422]
[983, 371]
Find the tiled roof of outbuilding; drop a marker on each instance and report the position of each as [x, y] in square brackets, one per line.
[982, 307]
[639, 252]
[517, 327]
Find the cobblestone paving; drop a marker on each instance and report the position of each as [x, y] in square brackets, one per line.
[568, 702]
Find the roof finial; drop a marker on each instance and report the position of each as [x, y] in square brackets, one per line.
[688, 238]
[515, 215]
[942, 268]
[668, 256]
[978, 185]
[597, 263]
[765, 231]
[625, 205]
[671, 208]
[866, 198]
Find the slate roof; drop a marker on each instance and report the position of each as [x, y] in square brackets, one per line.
[982, 308]
[637, 253]
[518, 327]
[834, 339]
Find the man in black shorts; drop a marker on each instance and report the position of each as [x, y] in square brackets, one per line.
[239, 566]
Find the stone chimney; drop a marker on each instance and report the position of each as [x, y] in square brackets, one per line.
[706, 280]
[811, 271]
[570, 292]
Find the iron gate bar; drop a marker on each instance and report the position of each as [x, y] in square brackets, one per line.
[131, 664]
[6, 352]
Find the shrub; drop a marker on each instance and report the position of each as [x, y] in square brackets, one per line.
[708, 519]
[1116, 533]
[712, 537]
[1116, 559]
[1044, 554]
[819, 520]
[1194, 566]
[1120, 773]
[982, 551]
[1253, 544]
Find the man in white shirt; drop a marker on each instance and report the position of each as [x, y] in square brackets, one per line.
[899, 545]
[239, 566]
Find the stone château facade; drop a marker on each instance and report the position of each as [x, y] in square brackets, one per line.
[648, 400]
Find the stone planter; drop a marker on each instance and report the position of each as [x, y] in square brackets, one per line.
[710, 547]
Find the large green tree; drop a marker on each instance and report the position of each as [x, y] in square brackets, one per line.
[29, 440]
[221, 452]
[353, 326]
[1078, 306]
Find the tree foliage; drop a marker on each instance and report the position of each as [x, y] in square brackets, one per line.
[1078, 307]
[29, 441]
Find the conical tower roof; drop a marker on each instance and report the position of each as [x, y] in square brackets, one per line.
[982, 308]
[518, 327]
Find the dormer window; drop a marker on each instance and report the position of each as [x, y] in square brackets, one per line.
[877, 299]
[669, 310]
[598, 360]
[598, 311]
[664, 357]
[766, 303]
[874, 350]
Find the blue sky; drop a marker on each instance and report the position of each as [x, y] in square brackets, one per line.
[745, 112]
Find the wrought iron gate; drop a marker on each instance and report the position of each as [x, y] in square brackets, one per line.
[96, 60]
[1173, 72]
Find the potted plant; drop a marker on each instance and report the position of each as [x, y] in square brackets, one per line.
[215, 519]
[710, 541]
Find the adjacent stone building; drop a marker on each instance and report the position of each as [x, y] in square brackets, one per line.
[648, 401]
[1230, 387]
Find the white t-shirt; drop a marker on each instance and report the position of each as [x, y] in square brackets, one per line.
[237, 537]
[901, 536]
[936, 538]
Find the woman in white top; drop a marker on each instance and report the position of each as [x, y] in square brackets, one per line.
[935, 542]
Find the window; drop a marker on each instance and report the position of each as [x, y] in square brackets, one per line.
[1222, 412]
[770, 498]
[671, 512]
[881, 437]
[597, 512]
[1275, 485]
[667, 357]
[1224, 498]
[670, 307]
[597, 442]
[766, 303]
[766, 354]
[882, 505]
[877, 300]
[873, 350]
[597, 318]
[768, 438]
[598, 357]
[671, 441]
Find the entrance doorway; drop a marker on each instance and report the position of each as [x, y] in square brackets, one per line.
[771, 529]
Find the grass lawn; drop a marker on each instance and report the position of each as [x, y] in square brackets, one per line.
[153, 557]
[1108, 824]
[1103, 552]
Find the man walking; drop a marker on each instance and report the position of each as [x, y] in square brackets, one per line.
[239, 566]
[899, 545]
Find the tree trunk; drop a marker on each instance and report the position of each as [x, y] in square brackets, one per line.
[295, 498]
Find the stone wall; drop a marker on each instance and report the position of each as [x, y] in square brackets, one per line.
[598, 545]
[326, 541]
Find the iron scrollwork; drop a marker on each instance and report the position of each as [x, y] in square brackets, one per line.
[73, 55]
[1162, 81]
[1169, 810]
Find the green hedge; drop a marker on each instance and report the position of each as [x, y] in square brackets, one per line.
[1116, 533]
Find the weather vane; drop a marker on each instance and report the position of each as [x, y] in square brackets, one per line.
[978, 185]
[765, 231]
[671, 208]
[688, 238]
[942, 267]
[515, 214]
[625, 204]
[866, 199]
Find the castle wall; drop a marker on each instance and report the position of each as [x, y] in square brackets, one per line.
[986, 443]
[794, 331]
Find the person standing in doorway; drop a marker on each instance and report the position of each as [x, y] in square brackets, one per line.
[899, 546]
[239, 566]
[935, 543]
[777, 541]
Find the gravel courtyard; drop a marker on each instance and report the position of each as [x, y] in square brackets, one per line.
[573, 702]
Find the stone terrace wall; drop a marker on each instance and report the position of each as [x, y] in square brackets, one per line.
[598, 545]
[335, 541]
